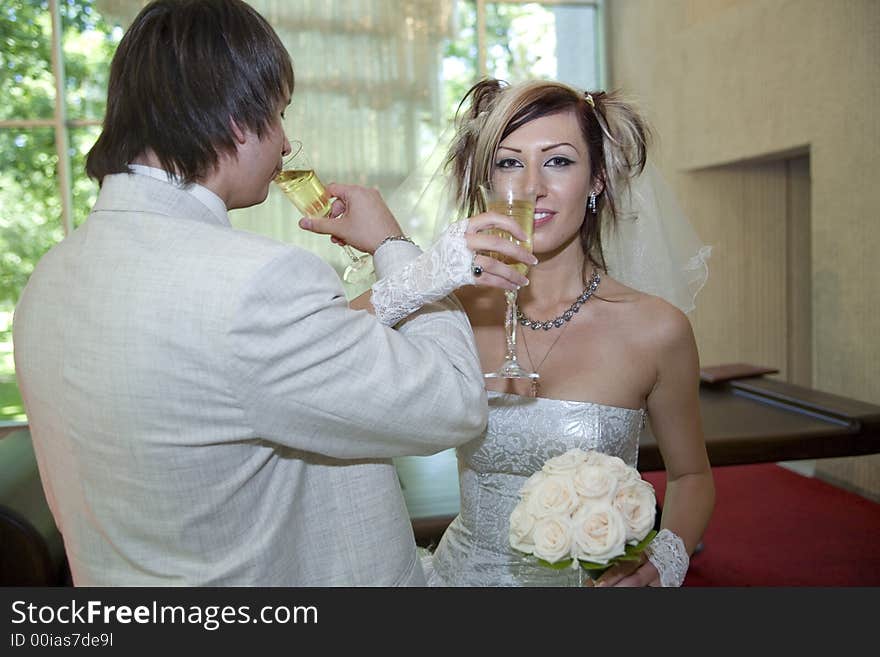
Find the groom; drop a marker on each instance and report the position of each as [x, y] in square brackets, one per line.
[205, 407]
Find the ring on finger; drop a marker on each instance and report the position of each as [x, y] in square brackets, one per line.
[475, 268]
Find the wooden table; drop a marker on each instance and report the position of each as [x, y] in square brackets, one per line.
[759, 420]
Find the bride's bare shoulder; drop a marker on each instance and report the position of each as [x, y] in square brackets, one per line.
[654, 318]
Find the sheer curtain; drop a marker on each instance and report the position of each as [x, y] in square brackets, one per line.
[367, 102]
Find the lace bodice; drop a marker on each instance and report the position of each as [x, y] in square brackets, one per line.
[522, 433]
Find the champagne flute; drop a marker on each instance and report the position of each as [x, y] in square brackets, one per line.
[508, 200]
[305, 190]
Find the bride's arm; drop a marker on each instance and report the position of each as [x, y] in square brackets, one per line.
[674, 409]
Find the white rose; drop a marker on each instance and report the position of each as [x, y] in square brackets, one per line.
[595, 482]
[620, 469]
[552, 496]
[532, 483]
[598, 533]
[552, 539]
[638, 506]
[597, 458]
[522, 525]
[613, 463]
[565, 464]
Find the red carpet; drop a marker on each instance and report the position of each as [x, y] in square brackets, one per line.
[774, 527]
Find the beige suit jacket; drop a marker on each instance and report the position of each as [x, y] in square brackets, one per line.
[207, 410]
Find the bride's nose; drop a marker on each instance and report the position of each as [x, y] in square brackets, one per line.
[535, 183]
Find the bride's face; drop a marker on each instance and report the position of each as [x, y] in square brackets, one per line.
[549, 158]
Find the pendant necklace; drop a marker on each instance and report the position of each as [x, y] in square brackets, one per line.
[535, 385]
[562, 321]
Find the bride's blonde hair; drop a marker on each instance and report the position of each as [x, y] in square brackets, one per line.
[616, 135]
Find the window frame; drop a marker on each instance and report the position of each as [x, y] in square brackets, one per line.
[59, 121]
[599, 5]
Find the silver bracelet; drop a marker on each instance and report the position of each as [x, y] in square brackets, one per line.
[394, 238]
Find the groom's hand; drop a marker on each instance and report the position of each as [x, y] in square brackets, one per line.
[358, 217]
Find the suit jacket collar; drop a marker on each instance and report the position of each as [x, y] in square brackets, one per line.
[124, 192]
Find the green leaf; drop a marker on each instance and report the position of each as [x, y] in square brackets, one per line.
[594, 571]
[631, 554]
[641, 545]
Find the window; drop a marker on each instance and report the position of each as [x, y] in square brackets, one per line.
[515, 40]
[53, 72]
[397, 72]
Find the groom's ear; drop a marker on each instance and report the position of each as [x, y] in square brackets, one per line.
[237, 132]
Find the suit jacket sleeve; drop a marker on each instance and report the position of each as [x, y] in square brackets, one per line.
[315, 375]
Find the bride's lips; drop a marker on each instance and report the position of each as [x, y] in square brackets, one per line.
[542, 216]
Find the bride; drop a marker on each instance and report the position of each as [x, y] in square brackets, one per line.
[601, 322]
[607, 354]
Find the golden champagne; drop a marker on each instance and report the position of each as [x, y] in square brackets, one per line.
[523, 213]
[305, 191]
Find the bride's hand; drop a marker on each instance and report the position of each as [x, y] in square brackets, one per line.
[629, 574]
[488, 271]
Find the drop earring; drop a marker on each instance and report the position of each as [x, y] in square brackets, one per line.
[592, 202]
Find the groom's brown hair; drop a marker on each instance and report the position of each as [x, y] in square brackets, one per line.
[183, 72]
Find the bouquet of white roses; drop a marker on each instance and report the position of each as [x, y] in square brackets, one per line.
[584, 508]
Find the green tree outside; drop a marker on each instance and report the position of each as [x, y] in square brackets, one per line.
[30, 205]
[520, 45]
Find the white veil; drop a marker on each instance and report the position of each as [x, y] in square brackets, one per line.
[653, 248]
[424, 203]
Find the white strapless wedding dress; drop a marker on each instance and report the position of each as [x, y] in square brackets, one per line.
[523, 432]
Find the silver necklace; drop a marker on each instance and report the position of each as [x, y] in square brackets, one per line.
[592, 284]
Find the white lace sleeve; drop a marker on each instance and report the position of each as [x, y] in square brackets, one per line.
[436, 273]
[669, 556]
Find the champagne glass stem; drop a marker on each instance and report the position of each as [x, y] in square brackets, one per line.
[510, 368]
[350, 252]
[358, 269]
[510, 324]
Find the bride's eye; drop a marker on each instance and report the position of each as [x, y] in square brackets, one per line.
[507, 163]
[559, 161]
